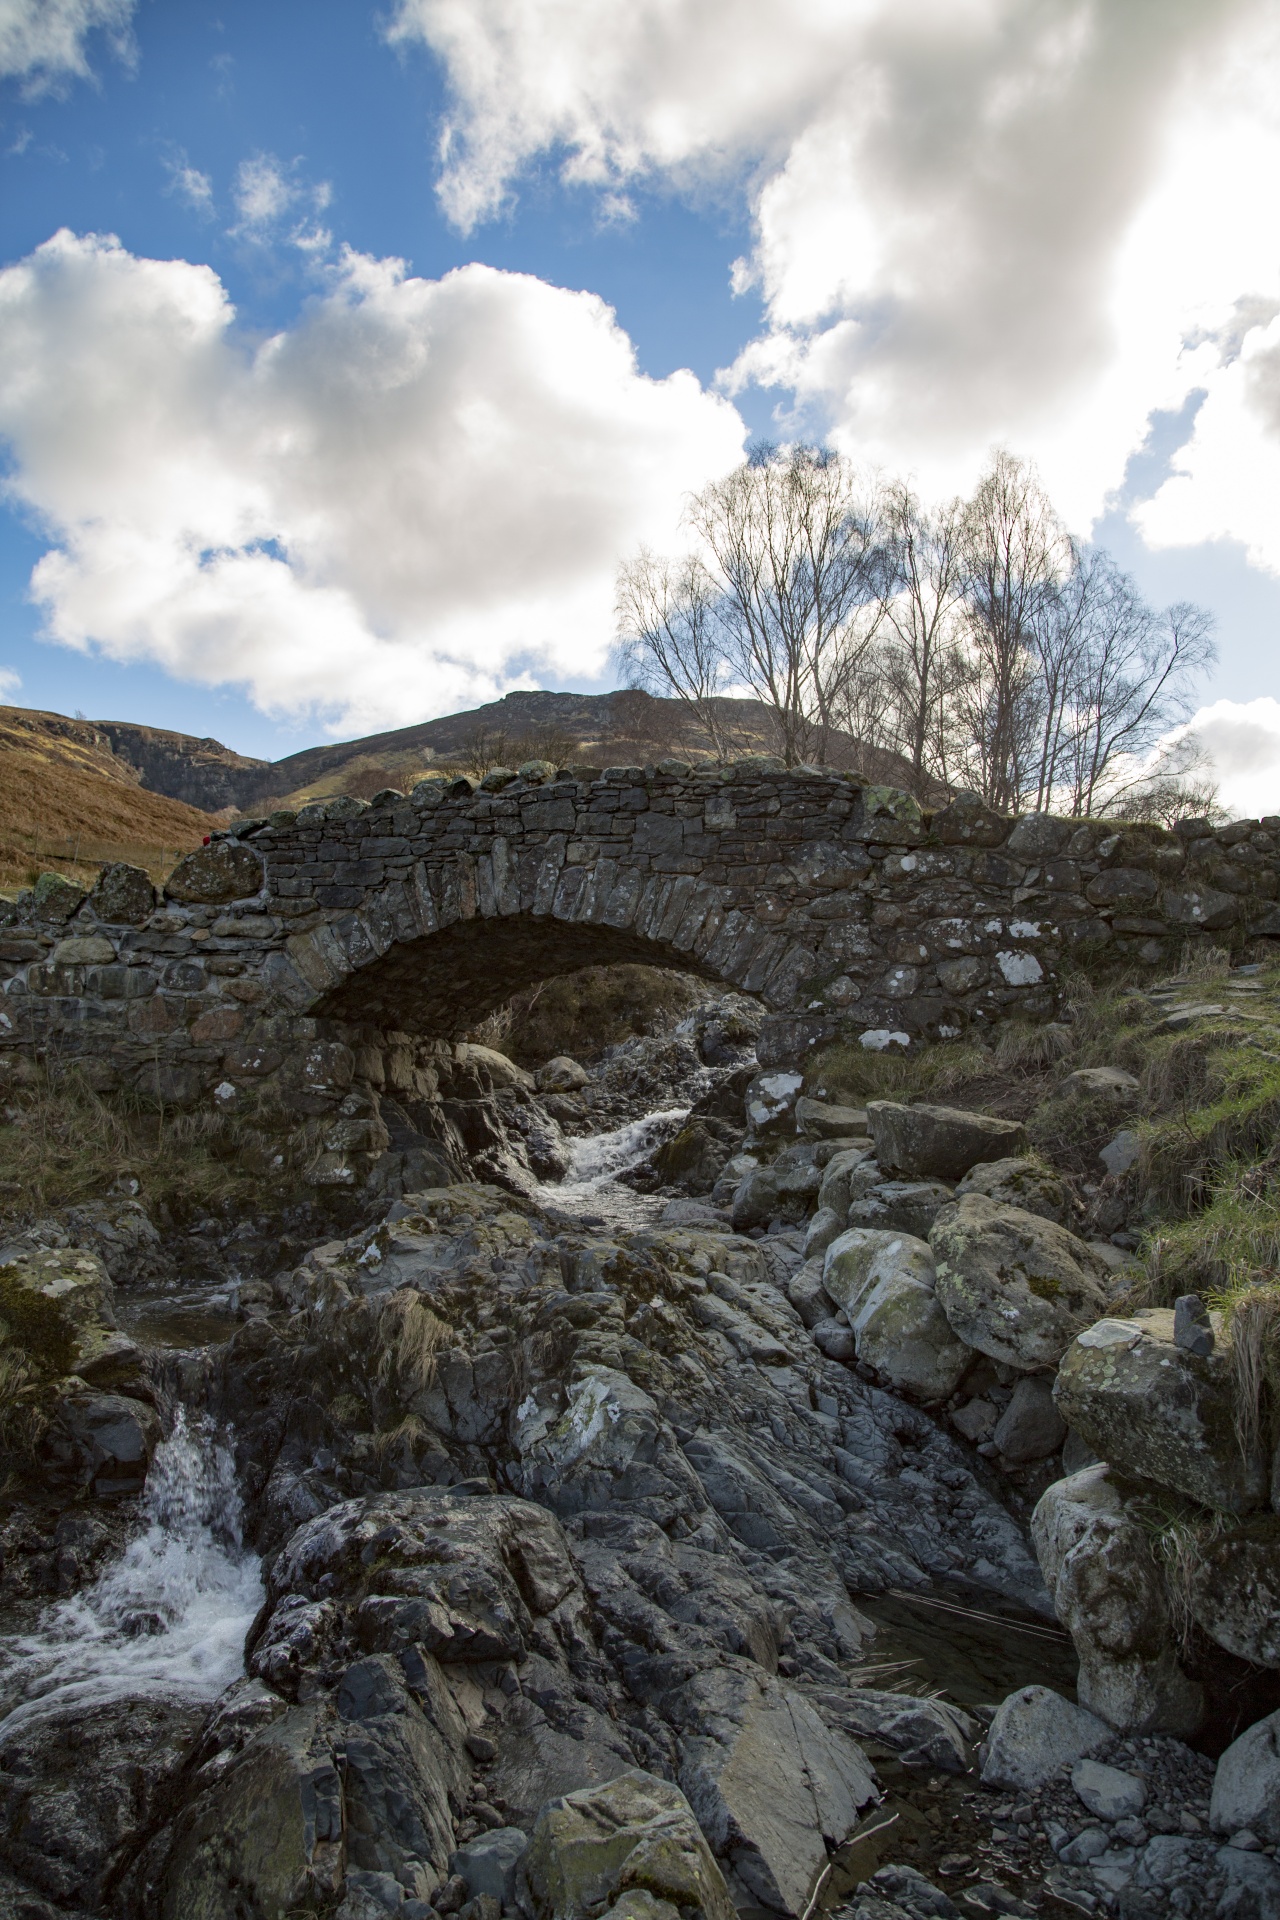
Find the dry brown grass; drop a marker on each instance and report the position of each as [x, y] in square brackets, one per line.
[68, 805]
[62, 1145]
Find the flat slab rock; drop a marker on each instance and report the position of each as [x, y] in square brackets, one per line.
[939, 1142]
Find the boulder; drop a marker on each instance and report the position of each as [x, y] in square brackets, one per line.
[222, 871]
[1111, 1082]
[1109, 1594]
[885, 1283]
[1034, 1733]
[783, 1191]
[114, 1437]
[922, 1732]
[1121, 1153]
[771, 1785]
[267, 1836]
[821, 1120]
[841, 1179]
[1136, 1397]
[634, 1835]
[563, 1074]
[123, 895]
[692, 1158]
[1022, 1181]
[835, 1339]
[807, 1294]
[1234, 1590]
[1013, 1285]
[826, 1225]
[940, 1142]
[858, 1259]
[489, 1863]
[1031, 1427]
[771, 1100]
[904, 1206]
[1246, 1784]
[54, 899]
[1108, 1792]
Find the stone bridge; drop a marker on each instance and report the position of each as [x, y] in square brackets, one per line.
[297, 966]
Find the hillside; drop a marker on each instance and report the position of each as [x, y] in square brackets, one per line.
[68, 802]
[603, 728]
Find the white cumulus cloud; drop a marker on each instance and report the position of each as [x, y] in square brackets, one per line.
[42, 42]
[9, 682]
[1242, 741]
[975, 220]
[412, 498]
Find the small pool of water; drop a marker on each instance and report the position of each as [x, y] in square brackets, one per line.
[966, 1649]
[199, 1317]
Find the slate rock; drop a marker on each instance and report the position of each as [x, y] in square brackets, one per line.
[1013, 1285]
[216, 874]
[1109, 1593]
[636, 1833]
[114, 1437]
[1034, 1733]
[1021, 1181]
[489, 1863]
[1234, 1590]
[939, 1142]
[1134, 1395]
[885, 1283]
[562, 1074]
[1031, 1427]
[123, 895]
[1109, 1792]
[1246, 1783]
[903, 1206]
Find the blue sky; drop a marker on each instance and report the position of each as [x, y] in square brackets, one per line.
[226, 559]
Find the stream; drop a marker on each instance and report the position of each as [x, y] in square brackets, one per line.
[169, 1617]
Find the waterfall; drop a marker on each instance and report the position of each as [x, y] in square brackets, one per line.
[168, 1617]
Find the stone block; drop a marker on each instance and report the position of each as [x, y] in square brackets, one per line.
[222, 871]
[942, 1142]
[1155, 1409]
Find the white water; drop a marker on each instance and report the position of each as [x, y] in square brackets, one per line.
[590, 1186]
[168, 1618]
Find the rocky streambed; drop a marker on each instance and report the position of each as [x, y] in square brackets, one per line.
[562, 1542]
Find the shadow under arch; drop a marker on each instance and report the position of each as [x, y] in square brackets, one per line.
[447, 982]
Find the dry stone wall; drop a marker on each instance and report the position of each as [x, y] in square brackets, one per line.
[300, 966]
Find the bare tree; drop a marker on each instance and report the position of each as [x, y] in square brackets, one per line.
[1131, 677]
[1015, 555]
[669, 635]
[911, 689]
[1177, 785]
[794, 548]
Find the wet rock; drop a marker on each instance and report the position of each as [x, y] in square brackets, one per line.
[922, 1732]
[694, 1157]
[221, 872]
[266, 1834]
[940, 1142]
[634, 1836]
[1137, 1397]
[1234, 1590]
[1022, 1181]
[1034, 1733]
[1109, 1594]
[1014, 1286]
[909, 1893]
[1108, 1792]
[1246, 1784]
[1031, 1427]
[79, 1788]
[114, 1438]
